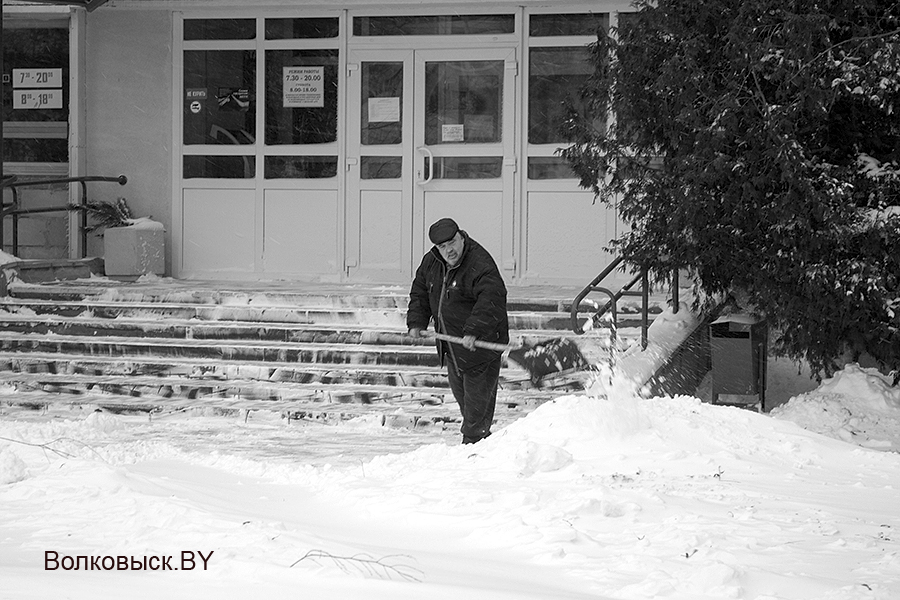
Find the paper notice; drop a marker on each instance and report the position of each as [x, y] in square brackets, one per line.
[384, 110]
[452, 133]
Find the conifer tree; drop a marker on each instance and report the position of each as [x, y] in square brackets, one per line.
[756, 143]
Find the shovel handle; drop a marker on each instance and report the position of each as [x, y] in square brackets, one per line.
[478, 343]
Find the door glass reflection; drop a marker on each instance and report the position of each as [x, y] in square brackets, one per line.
[464, 167]
[219, 97]
[382, 103]
[301, 96]
[463, 101]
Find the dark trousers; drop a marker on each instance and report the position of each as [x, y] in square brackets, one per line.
[475, 391]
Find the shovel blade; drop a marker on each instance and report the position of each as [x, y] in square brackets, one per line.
[548, 357]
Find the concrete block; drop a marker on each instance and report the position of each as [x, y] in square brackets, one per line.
[134, 250]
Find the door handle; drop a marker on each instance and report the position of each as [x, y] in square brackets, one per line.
[430, 157]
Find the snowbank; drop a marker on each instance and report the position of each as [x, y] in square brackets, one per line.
[856, 405]
[625, 498]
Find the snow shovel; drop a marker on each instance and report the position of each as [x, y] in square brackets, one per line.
[478, 343]
[557, 355]
[544, 358]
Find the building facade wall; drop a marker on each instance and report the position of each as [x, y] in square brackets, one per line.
[128, 110]
[346, 227]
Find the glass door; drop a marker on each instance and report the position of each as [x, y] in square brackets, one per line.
[430, 137]
[465, 160]
[379, 210]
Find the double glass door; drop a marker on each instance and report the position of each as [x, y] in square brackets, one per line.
[430, 136]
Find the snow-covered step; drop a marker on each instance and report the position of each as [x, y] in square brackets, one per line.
[221, 369]
[162, 343]
[149, 393]
[206, 312]
[87, 325]
[234, 350]
[294, 295]
[175, 292]
[216, 370]
[156, 321]
[178, 328]
[407, 415]
[184, 387]
[284, 314]
[187, 387]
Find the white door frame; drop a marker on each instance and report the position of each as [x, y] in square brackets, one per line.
[504, 243]
[408, 197]
[363, 233]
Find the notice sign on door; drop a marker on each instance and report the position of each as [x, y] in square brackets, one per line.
[304, 87]
[452, 133]
[384, 110]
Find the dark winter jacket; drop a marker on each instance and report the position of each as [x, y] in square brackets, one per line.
[468, 299]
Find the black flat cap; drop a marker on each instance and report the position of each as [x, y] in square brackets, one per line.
[442, 230]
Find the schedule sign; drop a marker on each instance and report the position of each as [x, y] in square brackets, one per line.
[37, 78]
[37, 88]
[35, 99]
[304, 87]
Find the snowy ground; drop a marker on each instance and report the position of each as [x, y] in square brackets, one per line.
[622, 498]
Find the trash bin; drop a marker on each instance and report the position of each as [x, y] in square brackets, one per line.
[738, 355]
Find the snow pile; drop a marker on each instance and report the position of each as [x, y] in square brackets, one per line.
[586, 497]
[12, 469]
[103, 422]
[856, 405]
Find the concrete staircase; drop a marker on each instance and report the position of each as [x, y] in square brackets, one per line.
[323, 352]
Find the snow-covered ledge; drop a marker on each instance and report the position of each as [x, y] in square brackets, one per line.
[666, 333]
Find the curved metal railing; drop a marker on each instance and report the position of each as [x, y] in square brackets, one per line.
[626, 290]
[14, 210]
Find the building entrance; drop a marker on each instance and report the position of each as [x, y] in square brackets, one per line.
[430, 135]
[320, 148]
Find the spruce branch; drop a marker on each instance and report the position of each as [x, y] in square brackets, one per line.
[105, 214]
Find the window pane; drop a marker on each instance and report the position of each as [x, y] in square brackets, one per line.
[380, 167]
[573, 24]
[35, 150]
[219, 96]
[382, 103]
[219, 29]
[434, 25]
[301, 96]
[556, 77]
[466, 167]
[463, 101]
[302, 29]
[219, 167]
[33, 50]
[301, 167]
[549, 167]
[37, 61]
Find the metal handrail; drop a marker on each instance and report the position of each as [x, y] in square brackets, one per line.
[614, 297]
[13, 209]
